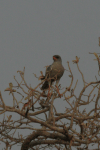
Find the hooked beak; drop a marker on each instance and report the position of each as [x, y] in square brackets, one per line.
[54, 58]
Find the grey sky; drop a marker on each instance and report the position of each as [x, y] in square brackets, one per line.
[31, 32]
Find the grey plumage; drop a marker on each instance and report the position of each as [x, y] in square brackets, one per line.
[53, 73]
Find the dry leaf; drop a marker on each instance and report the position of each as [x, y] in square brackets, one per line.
[99, 41]
[96, 56]
[10, 85]
[27, 97]
[70, 76]
[11, 90]
[76, 61]
[41, 73]
[9, 117]
[41, 78]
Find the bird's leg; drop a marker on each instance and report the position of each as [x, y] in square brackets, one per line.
[58, 91]
[57, 81]
[49, 94]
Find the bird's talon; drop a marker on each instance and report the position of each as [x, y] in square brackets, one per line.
[60, 95]
[49, 94]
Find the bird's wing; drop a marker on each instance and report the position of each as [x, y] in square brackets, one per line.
[47, 75]
[48, 70]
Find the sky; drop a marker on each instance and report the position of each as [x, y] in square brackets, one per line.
[31, 32]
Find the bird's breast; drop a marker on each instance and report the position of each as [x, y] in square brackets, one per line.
[57, 70]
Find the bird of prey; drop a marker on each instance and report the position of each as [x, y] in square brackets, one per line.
[53, 73]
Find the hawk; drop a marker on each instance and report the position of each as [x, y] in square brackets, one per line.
[53, 73]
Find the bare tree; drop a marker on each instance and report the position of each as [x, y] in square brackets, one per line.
[80, 130]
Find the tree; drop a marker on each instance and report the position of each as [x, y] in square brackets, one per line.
[73, 127]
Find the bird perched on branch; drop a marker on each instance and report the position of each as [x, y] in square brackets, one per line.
[53, 73]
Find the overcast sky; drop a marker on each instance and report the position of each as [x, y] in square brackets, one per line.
[32, 31]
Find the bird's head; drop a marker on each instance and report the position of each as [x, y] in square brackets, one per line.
[57, 58]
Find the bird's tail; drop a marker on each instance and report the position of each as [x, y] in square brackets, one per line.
[45, 85]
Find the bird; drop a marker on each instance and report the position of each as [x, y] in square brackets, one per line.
[53, 73]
